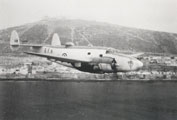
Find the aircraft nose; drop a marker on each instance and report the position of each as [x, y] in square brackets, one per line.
[140, 64]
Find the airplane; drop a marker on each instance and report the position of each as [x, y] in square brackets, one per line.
[90, 59]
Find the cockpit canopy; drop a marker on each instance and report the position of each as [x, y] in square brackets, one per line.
[111, 51]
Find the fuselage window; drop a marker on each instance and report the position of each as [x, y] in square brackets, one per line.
[101, 55]
[89, 53]
[51, 51]
[45, 50]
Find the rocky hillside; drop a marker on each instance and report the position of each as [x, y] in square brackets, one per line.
[99, 34]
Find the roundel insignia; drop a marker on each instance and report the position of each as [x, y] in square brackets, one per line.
[130, 63]
[64, 54]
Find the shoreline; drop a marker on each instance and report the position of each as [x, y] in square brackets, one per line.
[85, 80]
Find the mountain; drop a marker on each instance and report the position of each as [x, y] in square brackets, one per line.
[98, 33]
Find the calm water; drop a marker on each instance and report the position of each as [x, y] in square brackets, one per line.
[88, 100]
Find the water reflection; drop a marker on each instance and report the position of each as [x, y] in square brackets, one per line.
[88, 100]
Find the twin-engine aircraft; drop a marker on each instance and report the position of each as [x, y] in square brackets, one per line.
[84, 58]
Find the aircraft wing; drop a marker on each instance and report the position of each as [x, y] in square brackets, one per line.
[136, 55]
[62, 59]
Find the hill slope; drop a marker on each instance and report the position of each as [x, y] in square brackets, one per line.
[99, 34]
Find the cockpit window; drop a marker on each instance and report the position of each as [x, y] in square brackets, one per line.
[111, 51]
[107, 51]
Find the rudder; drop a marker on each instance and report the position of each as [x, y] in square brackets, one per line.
[14, 41]
[55, 40]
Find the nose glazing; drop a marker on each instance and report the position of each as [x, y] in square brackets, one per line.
[140, 64]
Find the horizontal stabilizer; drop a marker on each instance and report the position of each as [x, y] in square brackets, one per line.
[32, 45]
[15, 42]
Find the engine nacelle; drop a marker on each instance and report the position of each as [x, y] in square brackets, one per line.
[105, 67]
[106, 60]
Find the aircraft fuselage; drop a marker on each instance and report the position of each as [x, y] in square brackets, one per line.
[84, 58]
[95, 60]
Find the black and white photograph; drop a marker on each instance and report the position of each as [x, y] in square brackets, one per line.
[88, 60]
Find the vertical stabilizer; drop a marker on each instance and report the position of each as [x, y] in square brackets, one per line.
[14, 40]
[56, 40]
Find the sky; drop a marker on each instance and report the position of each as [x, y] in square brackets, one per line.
[160, 15]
